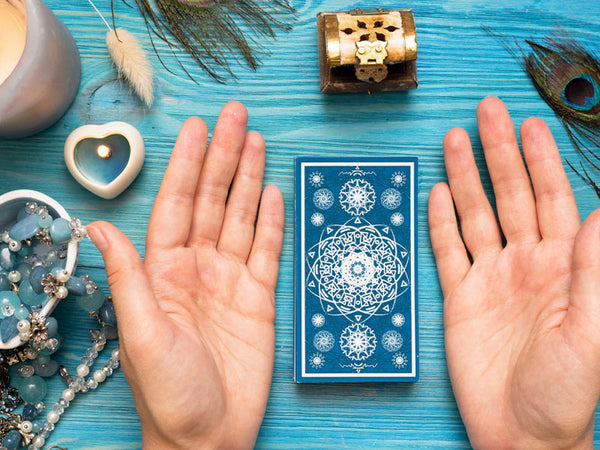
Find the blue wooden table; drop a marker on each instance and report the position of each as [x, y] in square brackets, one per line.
[458, 64]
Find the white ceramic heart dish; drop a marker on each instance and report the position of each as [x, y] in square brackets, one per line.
[105, 159]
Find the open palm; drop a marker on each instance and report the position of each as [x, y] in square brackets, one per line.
[521, 318]
[196, 318]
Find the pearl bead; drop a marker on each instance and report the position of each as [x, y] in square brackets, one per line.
[26, 426]
[62, 276]
[24, 336]
[99, 376]
[68, 394]
[23, 325]
[82, 370]
[116, 353]
[61, 292]
[14, 246]
[52, 417]
[38, 442]
[14, 276]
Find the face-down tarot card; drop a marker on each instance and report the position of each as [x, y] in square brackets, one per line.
[355, 269]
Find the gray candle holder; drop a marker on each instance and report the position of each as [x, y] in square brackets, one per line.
[45, 81]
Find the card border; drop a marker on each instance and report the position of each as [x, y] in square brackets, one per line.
[300, 375]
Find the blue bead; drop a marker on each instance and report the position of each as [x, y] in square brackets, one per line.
[30, 412]
[12, 440]
[33, 389]
[10, 297]
[76, 286]
[8, 328]
[21, 313]
[60, 231]
[4, 282]
[25, 251]
[52, 325]
[45, 370]
[107, 314]
[28, 295]
[8, 259]
[24, 269]
[26, 228]
[35, 279]
[45, 221]
[92, 302]
[110, 333]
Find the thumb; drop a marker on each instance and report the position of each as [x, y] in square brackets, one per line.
[133, 297]
[583, 315]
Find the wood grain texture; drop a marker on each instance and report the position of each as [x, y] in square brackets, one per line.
[458, 65]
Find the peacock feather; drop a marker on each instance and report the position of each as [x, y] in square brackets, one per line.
[210, 31]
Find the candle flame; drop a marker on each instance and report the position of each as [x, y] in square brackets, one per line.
[104, 151]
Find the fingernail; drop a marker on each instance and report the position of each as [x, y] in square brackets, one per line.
[97, 238]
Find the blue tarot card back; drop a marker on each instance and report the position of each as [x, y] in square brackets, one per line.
[356, 269]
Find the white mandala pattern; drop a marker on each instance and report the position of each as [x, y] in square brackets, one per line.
[358, 342]
[357, 270]
[324, 341]
[391, 341]
[317, 219]
[398, 320]
[316, 360]
[391, 198]
[316, 179]
[398, 178]
[318, 320]
[397, 219]
[357, 197]
[323, 198]
[399, 360]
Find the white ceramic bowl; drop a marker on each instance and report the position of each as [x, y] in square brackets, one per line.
[10, 205]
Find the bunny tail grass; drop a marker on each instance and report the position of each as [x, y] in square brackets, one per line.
[132, 63]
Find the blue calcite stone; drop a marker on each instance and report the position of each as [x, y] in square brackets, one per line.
[33, 389]
[8, 328]
[28, 295]
[25, 251]
[46, 369]
[24, 269]
[93, 301]
[107, 314]
[26, 228]
[12, 440]
[76, 286]
[60, 231]
[4, 282]
[10, 297]
[52, 325]
[21, 313]
[45, 221]
[8, 260]
[35, 278]
[30, 412]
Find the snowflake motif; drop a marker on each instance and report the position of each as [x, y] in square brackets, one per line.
[357, 197]
[318, 320]
[391, 198]
[323, 341]
[317, 219]
[323, 198]
[391, 341]
[358, 342]
[316, 360]
[399, 360]
[316, 179]
[397, 219]
[398, 320]
[398, 178]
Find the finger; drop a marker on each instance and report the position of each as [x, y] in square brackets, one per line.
[240, 214]
[477, 220]
[450, 253]
[514, 197]
[263, 261]
[171, 217]
[557, 212]
[220, 165]
[583, 316]
[135, 306]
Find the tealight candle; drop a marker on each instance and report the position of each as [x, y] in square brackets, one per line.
[40, 68]
[105, 159]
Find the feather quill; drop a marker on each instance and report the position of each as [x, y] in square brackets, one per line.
[132, 63]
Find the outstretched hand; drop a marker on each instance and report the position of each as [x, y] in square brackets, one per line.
[521, 318]
[196, 318]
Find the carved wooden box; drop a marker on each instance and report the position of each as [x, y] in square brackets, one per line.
[367, 50]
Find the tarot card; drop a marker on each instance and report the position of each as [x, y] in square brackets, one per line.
[355, 269]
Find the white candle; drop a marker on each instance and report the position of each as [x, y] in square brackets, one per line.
[12, 35]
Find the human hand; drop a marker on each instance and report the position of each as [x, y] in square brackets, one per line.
[521, 320]
[196, 318]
